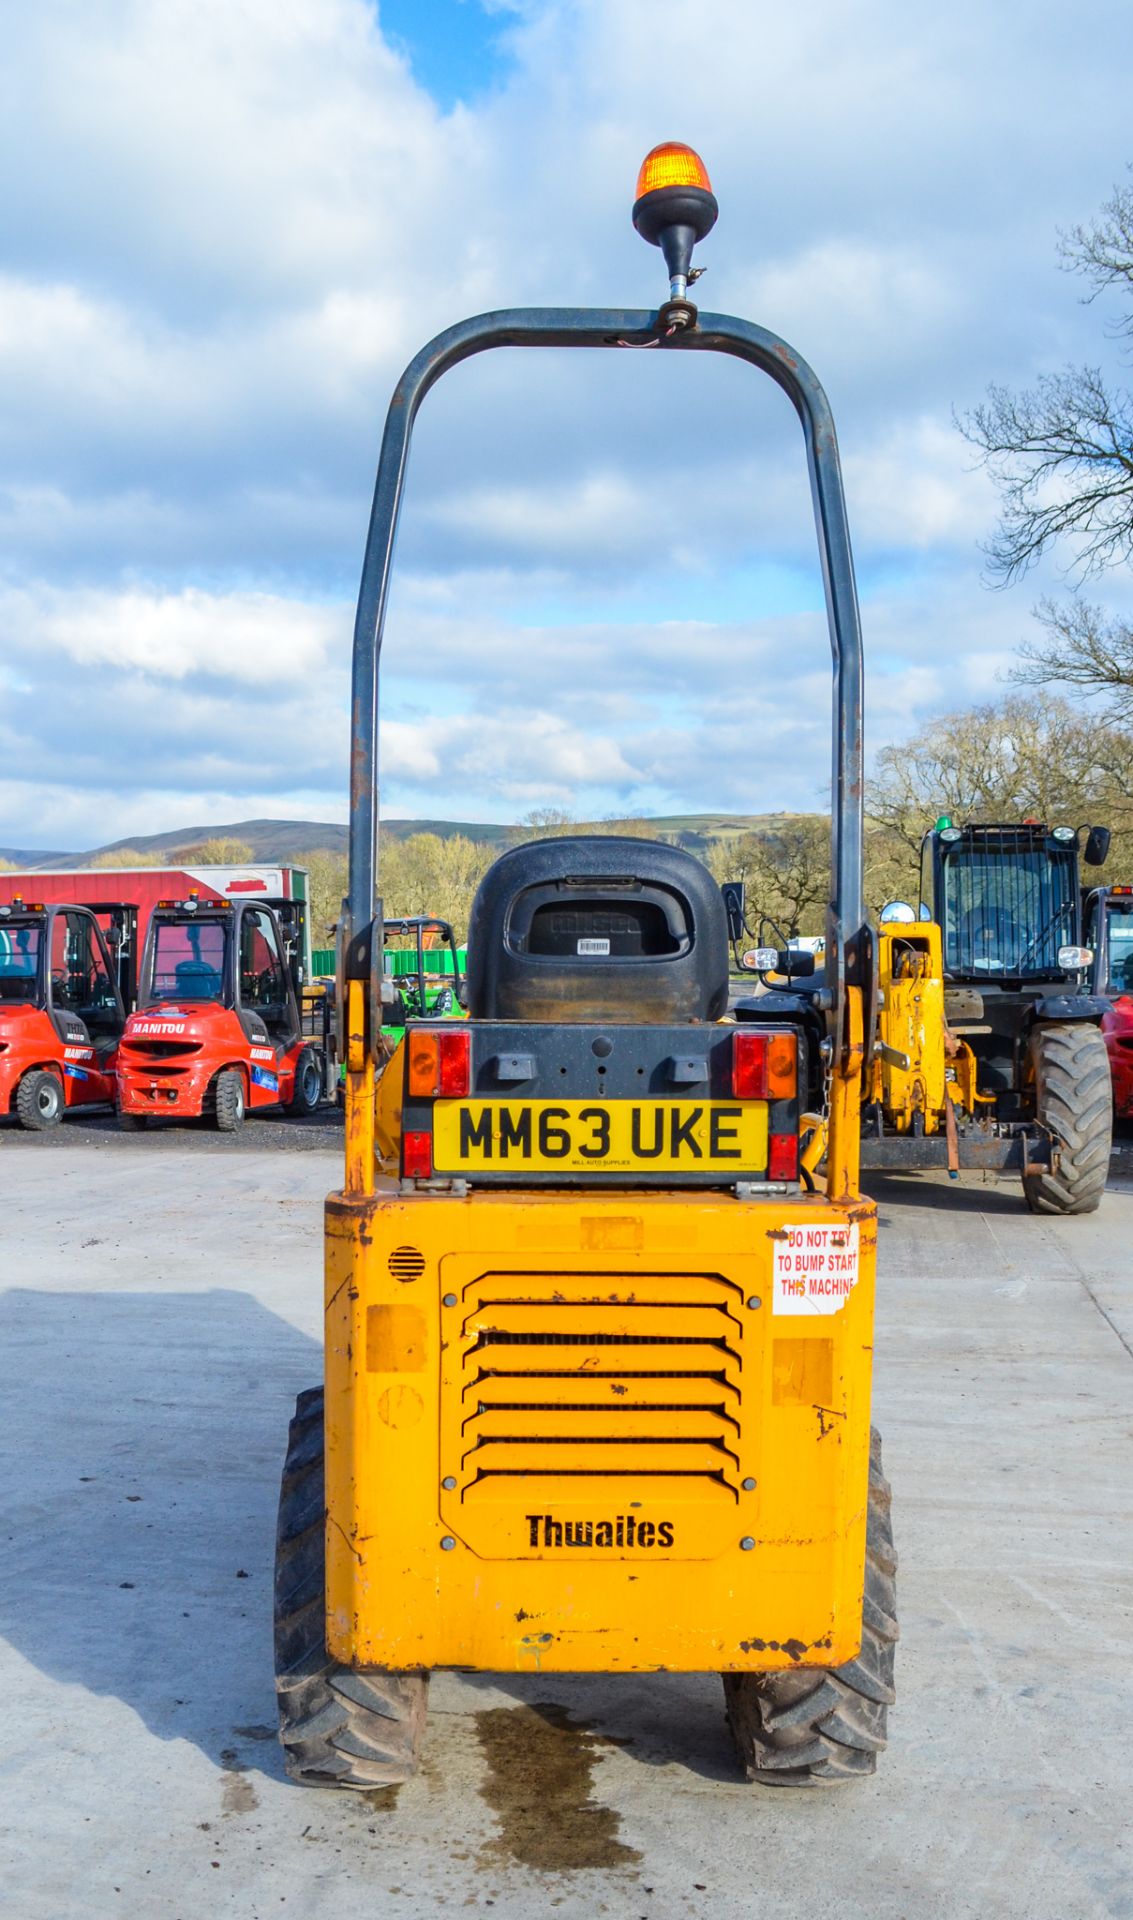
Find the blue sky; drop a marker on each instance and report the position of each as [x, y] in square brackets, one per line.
[457, 49]
[231, 224]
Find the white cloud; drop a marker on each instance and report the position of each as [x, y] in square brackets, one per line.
[236, 220]
[254, 639]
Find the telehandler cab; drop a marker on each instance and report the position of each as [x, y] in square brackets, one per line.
[989, 1050]
[61, 1014]
[597, 1378]
[217, 1029]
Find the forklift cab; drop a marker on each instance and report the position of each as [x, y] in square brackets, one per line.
[54, 958]
[82, 994]
[230, 954]
[1108, 932]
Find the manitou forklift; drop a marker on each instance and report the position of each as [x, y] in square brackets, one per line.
[61, 1013]
[598, 1362]
[217, 1028]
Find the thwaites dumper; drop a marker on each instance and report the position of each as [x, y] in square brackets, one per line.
[217, 1028]
[1108, 933]
[61, 1013]
[597, 1385]
[989, 1050]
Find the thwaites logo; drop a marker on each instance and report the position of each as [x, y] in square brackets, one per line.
[625, 1530]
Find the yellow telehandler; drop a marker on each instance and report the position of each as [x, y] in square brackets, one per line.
[598, 1361]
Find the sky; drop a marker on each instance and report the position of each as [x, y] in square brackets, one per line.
[230, 223]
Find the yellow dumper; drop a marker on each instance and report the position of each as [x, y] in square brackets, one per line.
[598, 1357]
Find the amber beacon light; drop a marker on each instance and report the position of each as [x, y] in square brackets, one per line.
[675, 207]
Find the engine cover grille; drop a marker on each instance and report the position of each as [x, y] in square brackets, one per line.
[588, 1406]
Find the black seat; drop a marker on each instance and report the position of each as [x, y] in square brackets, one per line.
[597, 927]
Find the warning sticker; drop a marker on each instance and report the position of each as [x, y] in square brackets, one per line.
[816, 1268]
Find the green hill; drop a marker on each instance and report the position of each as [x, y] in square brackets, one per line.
[276, 841]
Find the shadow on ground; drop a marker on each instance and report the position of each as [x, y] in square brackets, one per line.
[141, 1452]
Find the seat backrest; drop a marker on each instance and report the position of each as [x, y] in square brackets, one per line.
[598, 927]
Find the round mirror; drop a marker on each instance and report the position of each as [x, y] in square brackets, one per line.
[897, 910]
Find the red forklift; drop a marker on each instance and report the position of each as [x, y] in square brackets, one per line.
[61, 1013]
[217, 1031]
[1108, 922]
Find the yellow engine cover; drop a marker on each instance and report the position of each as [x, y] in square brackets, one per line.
[592, 1433]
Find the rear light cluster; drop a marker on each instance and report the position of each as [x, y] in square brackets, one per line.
[440, 1064]
[765, 1066]
[438, 1067]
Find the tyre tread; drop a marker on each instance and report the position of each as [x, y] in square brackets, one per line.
[817, 1726]
[340, 1726]
[1074, 1098]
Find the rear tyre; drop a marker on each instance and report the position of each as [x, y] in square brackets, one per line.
[229, 1100]
[340, 1727]
[308, 1082]
[1069, 1069]
[133, 1122]
[39, 1101]
[814, 1727]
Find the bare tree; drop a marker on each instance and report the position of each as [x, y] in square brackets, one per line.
[1027, 754]
[1086, 648]
[785, 869]
[1061, 452]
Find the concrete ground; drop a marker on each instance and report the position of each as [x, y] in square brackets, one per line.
[160, 1311]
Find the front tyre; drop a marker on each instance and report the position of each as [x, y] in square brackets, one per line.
[816, 1726]
[229, 1100]
[1068, 1067]
[40, 1104]
[308, 1082]
[340, 1726]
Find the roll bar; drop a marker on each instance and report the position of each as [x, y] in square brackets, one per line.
[579, 327]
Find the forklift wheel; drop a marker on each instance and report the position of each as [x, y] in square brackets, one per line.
[308, 1082]
[39, 1100]
[815, 1727]
[340, 1726]
[133, 1122]
[229, 1100]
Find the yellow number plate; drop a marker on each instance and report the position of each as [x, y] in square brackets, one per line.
[586, 1136]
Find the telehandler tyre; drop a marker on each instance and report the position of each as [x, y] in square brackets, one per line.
[815, 1727]
[39, 1101]
[229, 1100]
[1069, 1068]
[340, 1727]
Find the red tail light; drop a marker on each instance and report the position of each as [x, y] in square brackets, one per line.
[455, 1074]
[417, 1156]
